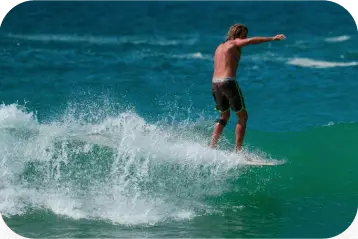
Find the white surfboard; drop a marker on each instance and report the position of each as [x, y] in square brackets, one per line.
[262, 162]
[251, 159]
[102, 140]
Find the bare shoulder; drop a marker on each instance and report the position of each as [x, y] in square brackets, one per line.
[220, 47]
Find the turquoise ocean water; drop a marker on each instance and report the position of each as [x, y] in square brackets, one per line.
[138, 74]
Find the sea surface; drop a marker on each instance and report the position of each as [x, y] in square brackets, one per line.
[138, 74]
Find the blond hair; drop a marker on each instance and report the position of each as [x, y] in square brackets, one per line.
[236, 31]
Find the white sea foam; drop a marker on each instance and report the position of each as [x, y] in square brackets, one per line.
[196, 55]
[106, 40]
[338, 39]
[307, 62]
[48, 166]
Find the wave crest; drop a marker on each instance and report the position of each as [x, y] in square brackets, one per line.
[54, 166]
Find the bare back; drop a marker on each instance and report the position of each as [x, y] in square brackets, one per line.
[226, 60]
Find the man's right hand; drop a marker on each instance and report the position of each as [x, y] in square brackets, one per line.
[279, 37]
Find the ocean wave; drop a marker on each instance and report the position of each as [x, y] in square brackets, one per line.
[306, 62]
[105, 40]
[338, 38]
[197, 55]
[167, 55]
[57, 166]
[330, 123]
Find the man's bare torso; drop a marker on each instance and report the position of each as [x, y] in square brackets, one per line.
[226, 60]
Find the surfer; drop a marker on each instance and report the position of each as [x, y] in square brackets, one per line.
[225, 89]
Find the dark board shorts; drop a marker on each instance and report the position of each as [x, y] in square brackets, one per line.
[227, 93]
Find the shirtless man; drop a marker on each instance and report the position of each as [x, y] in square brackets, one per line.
[225, 90]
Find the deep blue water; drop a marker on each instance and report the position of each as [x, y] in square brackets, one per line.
[162, 51]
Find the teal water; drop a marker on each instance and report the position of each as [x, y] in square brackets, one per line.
[138, 74]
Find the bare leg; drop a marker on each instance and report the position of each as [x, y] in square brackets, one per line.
[218, 129]
[240, 129]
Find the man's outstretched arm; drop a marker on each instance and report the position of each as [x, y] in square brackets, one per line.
[257, 40]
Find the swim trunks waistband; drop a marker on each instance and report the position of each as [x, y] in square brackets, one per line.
[223, 79]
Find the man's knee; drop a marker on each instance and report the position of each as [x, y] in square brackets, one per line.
[242, 116]
[224, 118]
[245, 116]
[222, 121]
